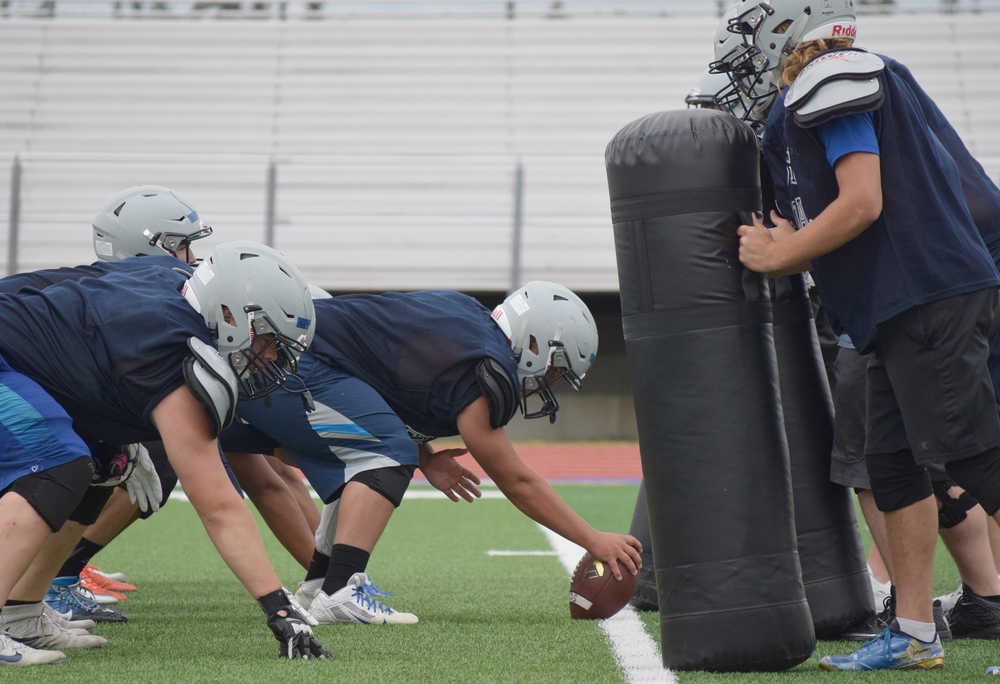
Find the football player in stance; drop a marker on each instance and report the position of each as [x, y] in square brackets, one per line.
[152, 222]
[880, 185]
[140, 354]
[387, 374]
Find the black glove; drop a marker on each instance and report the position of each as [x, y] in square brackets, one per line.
[294, 635]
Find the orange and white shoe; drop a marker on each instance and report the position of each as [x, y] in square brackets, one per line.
[99, 579]
[99, 595]
[119, 576]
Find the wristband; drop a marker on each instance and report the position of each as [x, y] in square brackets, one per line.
[273, 602]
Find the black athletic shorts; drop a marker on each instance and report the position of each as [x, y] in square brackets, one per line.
[55, 492]
[91, 506]
[929, 387]
[847, 461]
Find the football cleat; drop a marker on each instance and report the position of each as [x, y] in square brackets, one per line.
[66, 594]
[94, 578]
[117, 576]
[865, 630]
[352, 604]
[891, 650]
[307, 591]
[102, 595]
[948, 601]
[880, 590]
[30, 625]
[13, 652]
[66, 619]
[975, 617]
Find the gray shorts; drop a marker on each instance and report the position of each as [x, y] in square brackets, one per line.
[929, 386]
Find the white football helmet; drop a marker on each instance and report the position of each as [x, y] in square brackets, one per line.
[770, 32]
[143, 220]
[553, 335]
[702, 96]
[245, 289]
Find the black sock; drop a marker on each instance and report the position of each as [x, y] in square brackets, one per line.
[344, 561]
[12, 602]
[317, 566]
[78, 560]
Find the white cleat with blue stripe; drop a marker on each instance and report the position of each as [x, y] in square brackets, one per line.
[354, 603]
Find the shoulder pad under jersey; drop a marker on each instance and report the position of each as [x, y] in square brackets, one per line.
[212, 381]
[500, 392]
[835, 84]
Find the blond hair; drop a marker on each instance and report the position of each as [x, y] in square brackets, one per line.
[804, 52]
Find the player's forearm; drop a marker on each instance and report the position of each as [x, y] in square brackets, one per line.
[837, 225]
[234, 533]
[536, 498]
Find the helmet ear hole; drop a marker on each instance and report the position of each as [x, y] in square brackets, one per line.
[533, 344]
[227, 315]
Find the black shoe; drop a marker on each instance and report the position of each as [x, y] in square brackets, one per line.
[888, 614]
[645, 597]
[941, 622]
[866, 630]
[975, 617]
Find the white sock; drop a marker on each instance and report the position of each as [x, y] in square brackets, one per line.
[924, 631]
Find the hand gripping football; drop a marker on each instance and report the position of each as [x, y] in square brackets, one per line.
[594, 593]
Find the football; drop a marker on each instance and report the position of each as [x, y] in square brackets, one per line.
[594, 593]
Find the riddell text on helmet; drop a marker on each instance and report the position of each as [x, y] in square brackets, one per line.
[844, 31]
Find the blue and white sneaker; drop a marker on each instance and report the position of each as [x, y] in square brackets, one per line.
[14, 653]
[66, 595]
[353, 604]
[891, 650]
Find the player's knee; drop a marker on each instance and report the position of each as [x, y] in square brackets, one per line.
[389, 482]
[897, 481]
[951, 509]
[55, 493]
[980, 477]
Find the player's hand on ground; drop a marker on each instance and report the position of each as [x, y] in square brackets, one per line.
[451, 477]
[295, 637]
[143, 485]
[619, 551]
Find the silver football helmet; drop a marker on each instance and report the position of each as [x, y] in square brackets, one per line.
[770, 31]
[244, 290]
[703, 95]
[143, 220]
[553, 335]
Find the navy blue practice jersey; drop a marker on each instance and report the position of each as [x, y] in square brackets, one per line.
[418, 350]
[108, 349]
[39, 280]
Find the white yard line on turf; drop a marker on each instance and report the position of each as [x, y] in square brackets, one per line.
[178, 495]
[636, 652]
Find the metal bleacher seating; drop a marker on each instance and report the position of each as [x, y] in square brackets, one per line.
[394, 139]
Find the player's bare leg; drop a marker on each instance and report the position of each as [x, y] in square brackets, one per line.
[276, 503]
[298, 489]
[22, 534]
[37, 577]
[969, 545]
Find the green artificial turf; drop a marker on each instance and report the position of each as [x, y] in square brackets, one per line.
[482, 618]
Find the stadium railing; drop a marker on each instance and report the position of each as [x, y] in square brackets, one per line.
[393, 150]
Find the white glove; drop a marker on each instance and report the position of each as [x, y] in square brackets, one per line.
[143, 485]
